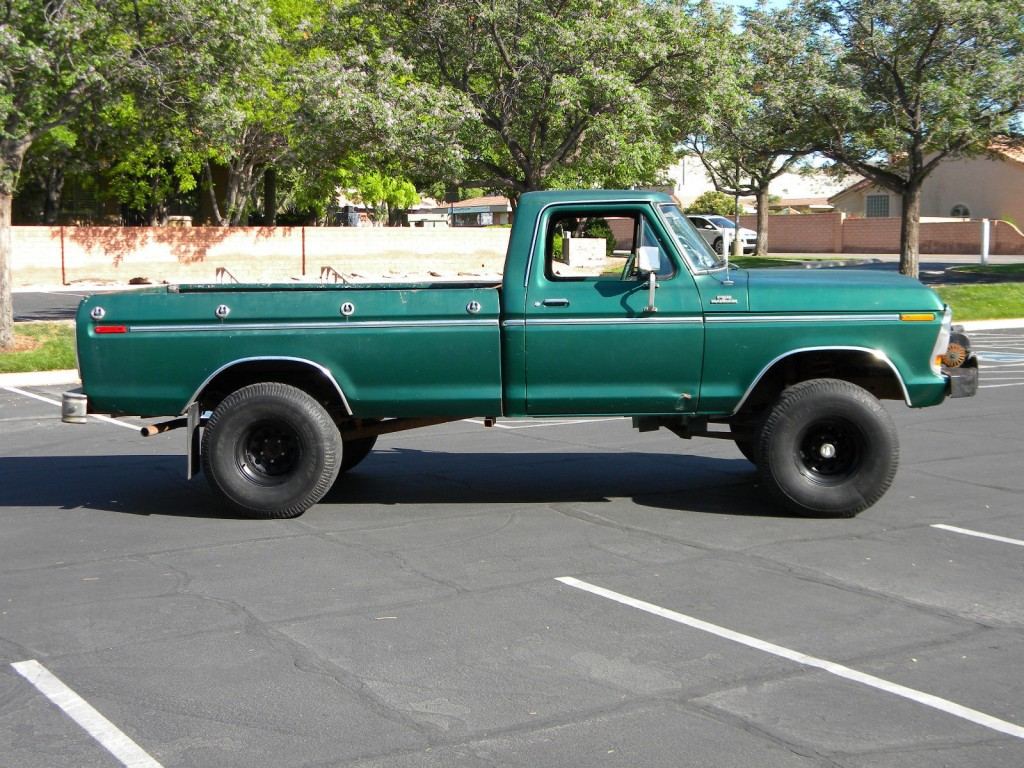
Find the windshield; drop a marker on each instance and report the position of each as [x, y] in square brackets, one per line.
[721, 221]
[693, 247]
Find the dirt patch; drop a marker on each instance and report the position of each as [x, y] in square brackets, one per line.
[25, 344]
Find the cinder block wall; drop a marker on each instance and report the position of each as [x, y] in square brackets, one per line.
[809, 233]
[834, 233]
[51, 255]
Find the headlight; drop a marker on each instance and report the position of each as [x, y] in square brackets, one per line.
[942, 341]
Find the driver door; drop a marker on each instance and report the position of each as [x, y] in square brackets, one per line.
[594, 345]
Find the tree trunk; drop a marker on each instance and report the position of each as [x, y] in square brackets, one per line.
[910, 229]
[12, 155]
[6, 301]
[270, 197]
[218, 220]
[762, 222]
[54, 189]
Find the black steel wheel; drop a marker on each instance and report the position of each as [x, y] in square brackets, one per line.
[829, 448]
[271, 450]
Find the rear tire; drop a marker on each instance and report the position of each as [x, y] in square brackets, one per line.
[828, 448]
[354, 451]
[719, 246]
[271, 451]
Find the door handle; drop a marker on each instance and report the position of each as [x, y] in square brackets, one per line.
[555, 302]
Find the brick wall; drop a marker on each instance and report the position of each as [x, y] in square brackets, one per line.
[810, 233]
[834, 233]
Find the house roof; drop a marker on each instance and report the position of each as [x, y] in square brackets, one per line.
[1008, 148]
[489, 201]
[802, 202]
[857, 187]
[1001, 147]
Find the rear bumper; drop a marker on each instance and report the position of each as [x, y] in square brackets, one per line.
[963, 380]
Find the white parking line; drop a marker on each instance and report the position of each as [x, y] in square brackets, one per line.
[78, 709]
[978, 534]
[50, 401]
[535, 425]
[927, 699]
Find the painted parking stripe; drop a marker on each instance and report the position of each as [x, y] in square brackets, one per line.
[535, 425]
[78, 709]
[51, 401]
[978, 534]
[920, 697]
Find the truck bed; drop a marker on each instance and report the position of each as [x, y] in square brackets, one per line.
[434, 348]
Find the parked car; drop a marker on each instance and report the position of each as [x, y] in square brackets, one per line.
[713, 229]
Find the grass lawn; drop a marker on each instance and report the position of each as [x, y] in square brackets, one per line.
[992, 269]
[40, 347]
[760, 262]
[987, 301]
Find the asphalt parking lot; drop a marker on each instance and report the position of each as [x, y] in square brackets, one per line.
[534, 594]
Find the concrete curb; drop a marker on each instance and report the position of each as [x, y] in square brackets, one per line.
[990, 325]
[40, 379]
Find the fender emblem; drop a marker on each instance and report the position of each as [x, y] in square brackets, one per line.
[724, 300]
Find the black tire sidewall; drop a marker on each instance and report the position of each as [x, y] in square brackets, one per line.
[798, 410]
[316, 434]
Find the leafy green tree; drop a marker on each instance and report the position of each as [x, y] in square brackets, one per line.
[909, 85]
[389, 196]
[61, 57]
[756, 130]
[555, 93]
[714, 201]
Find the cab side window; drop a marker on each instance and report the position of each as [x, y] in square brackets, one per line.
[604, 246]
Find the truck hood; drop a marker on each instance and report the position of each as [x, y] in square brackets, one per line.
[837, 290]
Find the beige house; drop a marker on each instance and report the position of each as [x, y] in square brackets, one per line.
[989, 186]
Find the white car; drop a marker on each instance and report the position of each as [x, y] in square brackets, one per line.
[713, 228]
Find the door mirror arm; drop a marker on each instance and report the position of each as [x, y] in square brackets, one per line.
[652, 286]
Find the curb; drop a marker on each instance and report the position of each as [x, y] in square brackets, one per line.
[990, 325]
[40, 378]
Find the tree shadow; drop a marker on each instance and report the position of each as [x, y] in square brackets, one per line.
[156, 485]
[188, 245]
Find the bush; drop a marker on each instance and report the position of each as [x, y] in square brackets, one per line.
[714, 202]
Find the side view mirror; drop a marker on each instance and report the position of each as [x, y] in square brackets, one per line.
[648, 258]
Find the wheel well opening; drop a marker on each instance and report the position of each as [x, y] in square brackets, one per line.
[300, 375]
[862, 368]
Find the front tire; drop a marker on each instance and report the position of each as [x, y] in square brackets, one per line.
[828, 448]
[271, 451]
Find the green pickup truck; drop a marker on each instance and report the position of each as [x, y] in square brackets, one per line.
[610, 304]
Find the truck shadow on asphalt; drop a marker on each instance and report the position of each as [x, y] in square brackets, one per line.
[156, 485]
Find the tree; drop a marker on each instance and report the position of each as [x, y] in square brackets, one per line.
[60, 57]
[909, 85]
[566, 93]
[755, 131]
